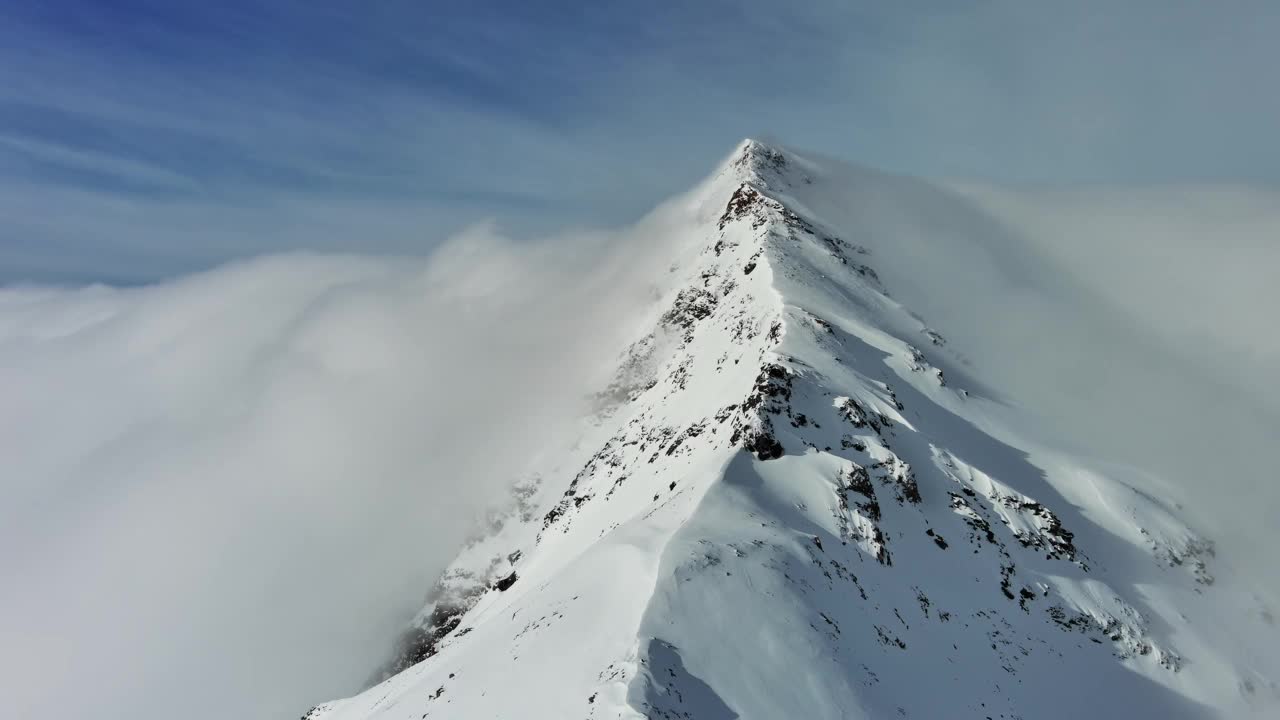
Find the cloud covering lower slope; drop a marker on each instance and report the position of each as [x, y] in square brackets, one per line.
[225, 494]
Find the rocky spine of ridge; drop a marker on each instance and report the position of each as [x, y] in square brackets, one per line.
[714, 295]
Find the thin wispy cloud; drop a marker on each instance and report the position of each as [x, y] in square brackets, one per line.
[228, 493]
[494, 109]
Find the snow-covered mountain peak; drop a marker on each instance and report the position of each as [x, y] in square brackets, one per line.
[788, 505]
[752, 163]
[753, 160]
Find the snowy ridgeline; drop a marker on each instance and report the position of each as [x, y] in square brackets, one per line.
[793, 502]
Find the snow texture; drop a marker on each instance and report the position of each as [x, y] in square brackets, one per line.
[793, 501]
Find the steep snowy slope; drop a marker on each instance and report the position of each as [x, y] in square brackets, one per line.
[793, 502]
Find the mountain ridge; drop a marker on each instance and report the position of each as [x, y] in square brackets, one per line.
[800, 510]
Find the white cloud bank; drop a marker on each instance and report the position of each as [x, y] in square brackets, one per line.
[223, 495]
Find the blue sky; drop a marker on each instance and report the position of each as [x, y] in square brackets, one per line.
[143, 138]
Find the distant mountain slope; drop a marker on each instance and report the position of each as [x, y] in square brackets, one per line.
[793, 501]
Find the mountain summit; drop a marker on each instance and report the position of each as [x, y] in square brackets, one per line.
[792, 502]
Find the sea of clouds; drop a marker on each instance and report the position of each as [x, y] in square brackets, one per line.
[224, 494]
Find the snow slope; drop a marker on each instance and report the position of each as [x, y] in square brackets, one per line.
[793, 501]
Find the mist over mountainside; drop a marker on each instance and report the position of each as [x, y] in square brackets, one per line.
[797, 499]
[838, 460]
[189, 463]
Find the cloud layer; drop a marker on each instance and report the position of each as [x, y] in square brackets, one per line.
[224, 494]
